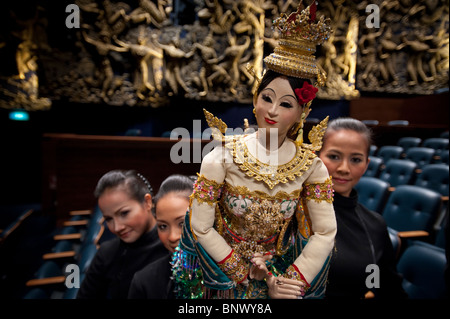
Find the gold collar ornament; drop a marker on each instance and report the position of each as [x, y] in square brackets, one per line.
[269, 174]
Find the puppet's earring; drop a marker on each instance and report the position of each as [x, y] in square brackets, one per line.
[299, 139]
[254, 110]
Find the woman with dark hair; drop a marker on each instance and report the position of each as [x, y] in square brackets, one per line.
[362, 237]
[171, 205]
[125, 199]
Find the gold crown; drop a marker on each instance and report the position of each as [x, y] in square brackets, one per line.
[299, 36]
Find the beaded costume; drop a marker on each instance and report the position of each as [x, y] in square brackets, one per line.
[244, 203]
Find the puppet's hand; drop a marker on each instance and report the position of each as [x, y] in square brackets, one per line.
[259, 270]
[284, 288]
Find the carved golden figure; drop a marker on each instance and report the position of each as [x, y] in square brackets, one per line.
[386, 53]
[148, 56]
[417, 50]
[174, 62]
[107, 73]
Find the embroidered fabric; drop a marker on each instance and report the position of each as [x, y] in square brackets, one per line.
[254, 224]
[234, 267]
[269, 174]
[292, 272]
[319, 191]
[206, 191]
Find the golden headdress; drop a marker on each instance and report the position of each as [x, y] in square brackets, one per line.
[300, 33]
[299, 36]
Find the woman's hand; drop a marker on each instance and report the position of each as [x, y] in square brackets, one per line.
[284, 288]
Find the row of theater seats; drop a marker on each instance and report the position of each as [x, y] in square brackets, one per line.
[62, 269]
[374, 191]
[411, 193]
[430, 151]
[9, 225]
[391, 166]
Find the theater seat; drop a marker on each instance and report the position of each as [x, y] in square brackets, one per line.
[396, 241]
[372, 193]
[435, 177]
[86, 255]
[398, 172]
[407, 142]
[420, 155]
[374, 168]
[444, 157]
[422, 267]
[49, 273]
[412, 208]
[398, 123]
[437, 143]
[387, 152]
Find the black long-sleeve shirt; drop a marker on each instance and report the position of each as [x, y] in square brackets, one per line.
[362, 239]
[113, 267]
[154, 281]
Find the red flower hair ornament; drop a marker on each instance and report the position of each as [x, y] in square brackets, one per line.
[306, 93]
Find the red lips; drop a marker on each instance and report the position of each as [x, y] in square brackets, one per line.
[269, 121]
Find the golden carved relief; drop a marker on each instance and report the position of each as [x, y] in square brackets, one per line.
[143, 53]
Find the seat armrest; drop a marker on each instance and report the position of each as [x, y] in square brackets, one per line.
[62, 254]
[413, 234]
[76, 222]
[369, 295]
[46, 281]
[67, 236]
[85, 212]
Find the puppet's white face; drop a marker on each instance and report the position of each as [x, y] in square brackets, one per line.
[277, 107]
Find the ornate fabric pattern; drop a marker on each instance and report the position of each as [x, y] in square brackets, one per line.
[234, 267]
[238, 199]
[206, 191]
[254, 221]
[319, 191]
[256, 231]
[292, 272]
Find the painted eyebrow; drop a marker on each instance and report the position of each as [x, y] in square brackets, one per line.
[265, 89]
[288, 95]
